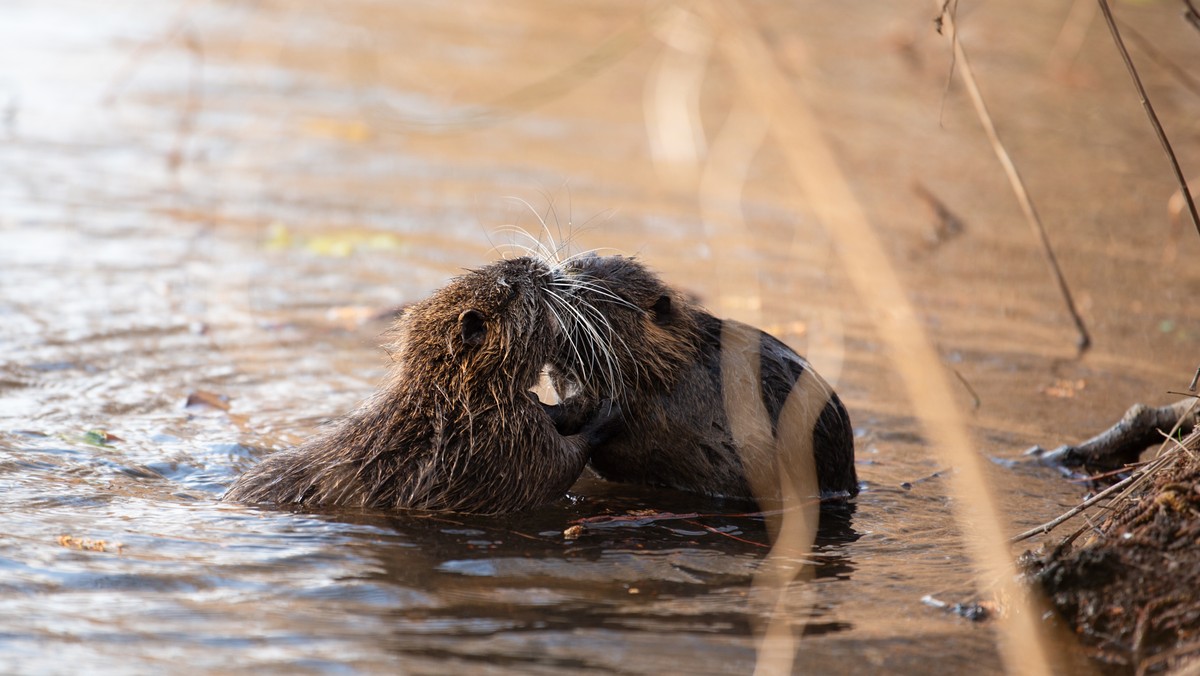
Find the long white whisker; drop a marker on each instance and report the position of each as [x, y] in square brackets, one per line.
[553, 211]
[587, 323]
[523, 249]
[567, 330]
[598, 318]
[551, 251]
[600, 290]
[605, 346]
[538, 250]
[586, 326]
[574, 257]
[608, 345]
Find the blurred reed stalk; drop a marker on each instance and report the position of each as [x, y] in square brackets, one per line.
[813, 162]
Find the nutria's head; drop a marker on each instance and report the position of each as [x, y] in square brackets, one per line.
[490, 328]
[631, 333]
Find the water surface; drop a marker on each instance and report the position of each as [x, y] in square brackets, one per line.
[211, 202]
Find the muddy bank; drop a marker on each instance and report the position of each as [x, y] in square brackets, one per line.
[1131, 590]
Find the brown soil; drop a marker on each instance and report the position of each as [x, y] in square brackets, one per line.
[1132, 592]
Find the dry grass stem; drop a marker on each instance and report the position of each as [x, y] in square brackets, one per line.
[1067, 515]
[1010, 169]
[1158, 128]
[815, 166]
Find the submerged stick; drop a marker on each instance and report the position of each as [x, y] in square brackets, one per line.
[1158, 128]
[946, 19]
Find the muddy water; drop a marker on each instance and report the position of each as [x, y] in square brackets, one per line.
[204, 205]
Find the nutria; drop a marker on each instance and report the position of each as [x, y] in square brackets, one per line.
[709, 405]
[454, 425]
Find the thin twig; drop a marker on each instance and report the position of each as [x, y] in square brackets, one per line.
[949, 7]
[1014, 178]
[1146, 45]
[1093, 478]
[1126, 485]
[974, 396]
[1054, 523]
[1158, 128]
[1179, 423]
[724, 534]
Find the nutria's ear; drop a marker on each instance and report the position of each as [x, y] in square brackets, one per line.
[473, 328]
[662, 310]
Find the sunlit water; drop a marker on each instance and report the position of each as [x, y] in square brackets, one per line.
[216, 223]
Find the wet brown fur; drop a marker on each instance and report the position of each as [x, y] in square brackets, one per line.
[454, 426]
[669, 385]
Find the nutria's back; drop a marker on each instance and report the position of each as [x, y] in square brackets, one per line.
[453, 426]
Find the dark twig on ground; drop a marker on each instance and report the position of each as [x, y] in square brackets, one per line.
[1158, 128]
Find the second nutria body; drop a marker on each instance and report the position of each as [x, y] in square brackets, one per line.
[709, 405]
[454, 427]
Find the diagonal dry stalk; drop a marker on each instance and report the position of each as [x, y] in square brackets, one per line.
[946, 21]
[1158, 128]
[1124, 486]
[814, 165]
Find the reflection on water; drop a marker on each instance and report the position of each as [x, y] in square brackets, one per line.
[218, 197]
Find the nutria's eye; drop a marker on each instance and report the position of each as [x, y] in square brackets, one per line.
[473, 328]
[662, 310]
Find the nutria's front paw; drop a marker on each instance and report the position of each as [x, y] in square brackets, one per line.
[569, 416]
[606, 423]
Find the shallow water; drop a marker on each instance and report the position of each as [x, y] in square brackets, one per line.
[209, 202]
